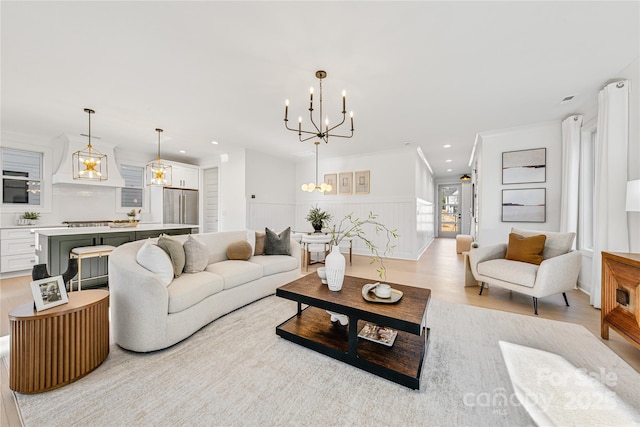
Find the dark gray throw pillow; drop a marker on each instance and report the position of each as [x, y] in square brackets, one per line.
[277, 244]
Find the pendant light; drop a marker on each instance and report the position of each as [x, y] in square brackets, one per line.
[89, 164]
[159, 172]
[316, 185]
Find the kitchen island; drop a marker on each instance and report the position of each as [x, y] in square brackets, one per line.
[53, 245]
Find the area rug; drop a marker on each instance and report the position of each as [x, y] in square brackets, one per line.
[237, 371]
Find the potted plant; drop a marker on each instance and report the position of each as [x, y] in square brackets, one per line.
[29, 218]
[318, 218]
[133, 214]
[350, 227]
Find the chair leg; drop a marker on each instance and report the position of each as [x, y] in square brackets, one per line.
[535, 305]
[566, 301]
[481, 288]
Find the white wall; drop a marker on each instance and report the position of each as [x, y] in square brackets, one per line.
[392, 196]
[233, 204]
[272, 181]
[425, 194]
[543, 135]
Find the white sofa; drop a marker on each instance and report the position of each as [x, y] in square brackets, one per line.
[148, 315]
[557, 273]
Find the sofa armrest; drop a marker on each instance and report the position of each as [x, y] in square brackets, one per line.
[296, 251]
[558, 274]
[481, 254]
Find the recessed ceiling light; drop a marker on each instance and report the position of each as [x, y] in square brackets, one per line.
[182, 151]
[567, 99]
[449, 170]
[214, 142]
[448, 160]
[446, 146]
[407, 143]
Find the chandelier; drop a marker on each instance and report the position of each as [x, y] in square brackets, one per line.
[318, 131]
[89, 163]
[313, 186]
[158, 173]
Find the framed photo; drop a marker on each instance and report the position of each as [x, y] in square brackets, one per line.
[331, 179]
[524, 205]
[362, 182]
[49, 292]
[524, 166]
[345, 182]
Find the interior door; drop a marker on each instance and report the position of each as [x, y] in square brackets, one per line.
[450, 217]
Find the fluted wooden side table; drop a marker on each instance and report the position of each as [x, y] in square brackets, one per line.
[55, 347]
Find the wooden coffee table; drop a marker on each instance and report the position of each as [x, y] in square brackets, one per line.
[312, 328]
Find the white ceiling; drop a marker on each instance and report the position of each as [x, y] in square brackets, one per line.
[428, 73]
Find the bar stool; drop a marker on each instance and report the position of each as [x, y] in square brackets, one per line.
[83, 252]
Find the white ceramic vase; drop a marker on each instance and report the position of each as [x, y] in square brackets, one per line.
[334, 266]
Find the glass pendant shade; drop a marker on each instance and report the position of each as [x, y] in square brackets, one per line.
[159, 172]
[90, 164]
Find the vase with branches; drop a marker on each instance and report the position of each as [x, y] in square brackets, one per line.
[351, 227]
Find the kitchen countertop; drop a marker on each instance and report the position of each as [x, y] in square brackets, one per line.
[93, 230]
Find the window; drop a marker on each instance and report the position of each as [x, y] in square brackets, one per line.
[587, 187]
[21, 177]
[132, 195]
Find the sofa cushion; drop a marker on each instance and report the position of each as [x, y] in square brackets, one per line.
[277, 244]
[259, 248]
[516, 272]
[175, 250]
[240, 250]
[274, 264]
[196, 255]
[235, 273]
[525, 249]
[556, 243]
[191, 288]
[156, 260]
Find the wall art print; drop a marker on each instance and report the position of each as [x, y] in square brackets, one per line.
[345, 182]
[524, 166]
[362, 182]
[524, 205]
[331, 179]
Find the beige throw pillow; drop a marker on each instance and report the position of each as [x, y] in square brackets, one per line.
[260, 238]
[240, 250]
[175, 250]
[196, 255]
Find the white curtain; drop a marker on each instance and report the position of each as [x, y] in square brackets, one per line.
[571, 130]
[609, 216]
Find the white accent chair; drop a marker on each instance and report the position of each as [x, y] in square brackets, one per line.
[315, 243]
[557, 273]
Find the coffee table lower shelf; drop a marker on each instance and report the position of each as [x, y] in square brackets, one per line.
[400, 363]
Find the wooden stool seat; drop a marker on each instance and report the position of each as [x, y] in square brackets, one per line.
[83, 252]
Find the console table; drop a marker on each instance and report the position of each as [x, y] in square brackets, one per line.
[55, 347]
[621, 295]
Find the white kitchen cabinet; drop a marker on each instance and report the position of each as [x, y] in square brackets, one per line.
[17, 249]
[185, 176]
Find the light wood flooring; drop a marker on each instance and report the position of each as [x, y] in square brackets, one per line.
[439, 269]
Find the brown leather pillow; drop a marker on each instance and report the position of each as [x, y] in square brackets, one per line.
[260, 238]
[240, 250]
[525, 249]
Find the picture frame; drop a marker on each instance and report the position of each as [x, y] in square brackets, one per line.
[362, 182]
[524, 166]
[524, 205]
[345, 182]
[48, 293]
[331, 179]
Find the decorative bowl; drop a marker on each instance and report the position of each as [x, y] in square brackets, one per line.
[322, 273]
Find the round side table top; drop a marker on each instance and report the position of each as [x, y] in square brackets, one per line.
[77, 301]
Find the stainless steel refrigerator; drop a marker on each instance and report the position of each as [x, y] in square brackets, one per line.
[179, 206]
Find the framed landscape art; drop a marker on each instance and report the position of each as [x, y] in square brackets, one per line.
[524, 166]
[524, 205]
[362, 182]
[345, 182]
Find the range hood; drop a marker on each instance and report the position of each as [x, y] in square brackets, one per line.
[63, 148]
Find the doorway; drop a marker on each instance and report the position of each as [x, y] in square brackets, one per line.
[210, 191]
[450, 218]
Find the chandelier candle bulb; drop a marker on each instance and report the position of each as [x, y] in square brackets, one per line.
[344, 102]
[286, 110]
